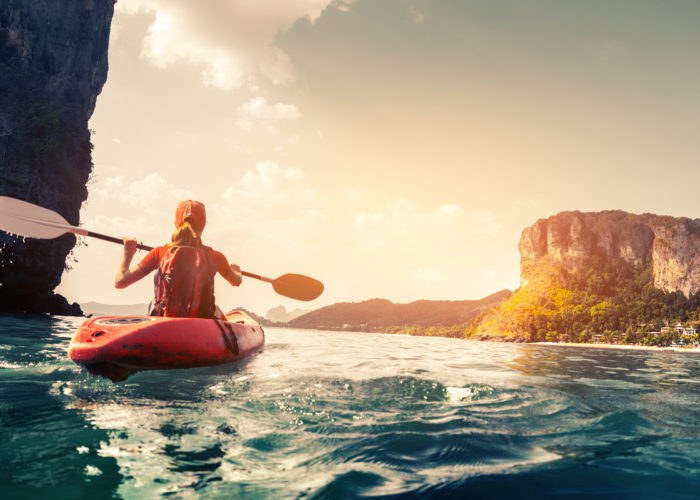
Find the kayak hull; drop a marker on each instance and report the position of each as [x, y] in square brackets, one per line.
[117, 346]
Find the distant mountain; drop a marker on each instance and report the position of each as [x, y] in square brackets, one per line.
[280, 315]
[377, 315]
[98, 309]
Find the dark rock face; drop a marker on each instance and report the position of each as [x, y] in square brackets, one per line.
[672, 244]
[53, 64]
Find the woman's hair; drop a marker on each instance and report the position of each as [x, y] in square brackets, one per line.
[185, 235]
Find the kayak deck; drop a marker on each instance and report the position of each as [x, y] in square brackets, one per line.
[117, 346]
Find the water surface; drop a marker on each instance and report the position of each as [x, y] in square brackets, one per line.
[349, 415]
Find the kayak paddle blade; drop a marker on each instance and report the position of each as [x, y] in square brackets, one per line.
[298, 286]
[31, 221]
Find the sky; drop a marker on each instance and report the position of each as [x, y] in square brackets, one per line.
[389, 148]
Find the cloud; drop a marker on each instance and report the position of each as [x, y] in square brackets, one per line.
[253, 233]
[416, 16]
[270, 185]
[257, 110]
[403, 220]
[232, 41]
[146, 194]
[274, 208]
[403, 223]
[353, 195]
[141, 207]
[485, 223]
[426, 276]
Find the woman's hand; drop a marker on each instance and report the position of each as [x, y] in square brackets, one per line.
[237, 273]
[126, 276]
[129, 247]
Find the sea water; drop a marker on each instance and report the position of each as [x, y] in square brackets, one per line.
[350, 415]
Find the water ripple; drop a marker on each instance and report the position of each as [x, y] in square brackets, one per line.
[334, 415]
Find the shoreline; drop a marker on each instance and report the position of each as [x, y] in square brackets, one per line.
[620, 346]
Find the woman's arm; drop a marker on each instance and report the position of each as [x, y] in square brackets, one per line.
[231, 273]
[125, 275]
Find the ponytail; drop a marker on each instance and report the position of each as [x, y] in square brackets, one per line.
[186, 236]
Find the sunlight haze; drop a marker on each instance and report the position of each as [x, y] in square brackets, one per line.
[388, 148]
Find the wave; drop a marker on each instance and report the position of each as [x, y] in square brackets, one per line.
[303, 420]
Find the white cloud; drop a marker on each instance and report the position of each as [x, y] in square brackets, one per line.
[258, 108]
[146, 194]
[258, 111]
[485, 223]
[425, 275]
[270, 185]
[274, 208]
[416, 15]
[354, 195]
[446, 212]
[232, 41]
[120, 227]
[404, 223]
[253, 232]
[403, 220]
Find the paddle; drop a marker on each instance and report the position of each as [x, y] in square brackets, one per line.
[32, 221]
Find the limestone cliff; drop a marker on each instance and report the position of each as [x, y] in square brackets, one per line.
[53, 64]
[611, 274]
[672, 245]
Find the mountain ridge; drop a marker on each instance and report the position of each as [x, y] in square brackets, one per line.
[375, 315]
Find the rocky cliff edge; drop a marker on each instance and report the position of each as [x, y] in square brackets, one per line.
[53, 64]
[672, 245]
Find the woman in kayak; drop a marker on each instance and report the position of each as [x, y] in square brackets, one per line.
[184, 282]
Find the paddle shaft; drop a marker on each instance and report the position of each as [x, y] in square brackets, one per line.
[141, 246]
[104, 237]
[257, 276]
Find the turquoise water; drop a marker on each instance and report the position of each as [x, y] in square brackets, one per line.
[340, 415]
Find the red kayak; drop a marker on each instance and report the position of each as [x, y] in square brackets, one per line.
[117, 346]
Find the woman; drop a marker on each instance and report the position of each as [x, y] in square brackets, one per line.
[184, 282]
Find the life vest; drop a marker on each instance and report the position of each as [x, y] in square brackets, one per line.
[184, 283]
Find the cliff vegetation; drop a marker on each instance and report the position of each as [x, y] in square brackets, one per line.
[615, 299]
